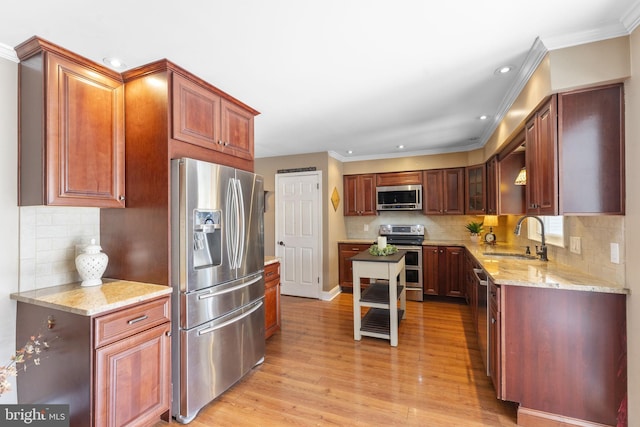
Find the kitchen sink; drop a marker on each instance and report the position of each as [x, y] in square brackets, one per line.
[513, 255]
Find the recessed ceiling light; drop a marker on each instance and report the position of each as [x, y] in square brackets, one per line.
[483, 117]
[400, 147]
[350, 152]
[114, 62]
[504, 69]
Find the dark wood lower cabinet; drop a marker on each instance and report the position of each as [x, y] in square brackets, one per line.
[561, 353]
[112, 369]
[271, 299]
[443, 271]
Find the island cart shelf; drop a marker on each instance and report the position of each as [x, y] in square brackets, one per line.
[383, 315]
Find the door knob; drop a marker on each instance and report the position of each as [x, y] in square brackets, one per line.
[281, 243]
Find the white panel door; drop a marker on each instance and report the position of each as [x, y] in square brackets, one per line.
[298, 233]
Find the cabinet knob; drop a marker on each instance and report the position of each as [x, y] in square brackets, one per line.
[121, 197]
[168, 333]
[281, 243]
[493, 320]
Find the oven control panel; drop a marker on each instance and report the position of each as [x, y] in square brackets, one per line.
[411, 230]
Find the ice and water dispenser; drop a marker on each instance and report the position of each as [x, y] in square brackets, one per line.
[207, 238]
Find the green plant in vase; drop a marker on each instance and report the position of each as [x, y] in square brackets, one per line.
[475, 228]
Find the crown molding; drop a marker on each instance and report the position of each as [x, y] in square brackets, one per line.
[7, 52]
[617, 29]
[631, 18]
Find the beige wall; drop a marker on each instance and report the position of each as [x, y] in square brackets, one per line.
[632, 229]
[9, 248]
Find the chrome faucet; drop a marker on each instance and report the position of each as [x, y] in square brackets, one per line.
[542, 251]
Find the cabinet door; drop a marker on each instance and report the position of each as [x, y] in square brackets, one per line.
[542, 161]
[196, 114]
[452, 264]
[368, 194]
[430, 256]
[597, 149]
[85, 136]
[492, 186]
[453, 191]
[237, 131]
[399, 178]
[494, 340]
[272, 299]
[475, 189]
[360, 195]
[433, 192]
[133, 379]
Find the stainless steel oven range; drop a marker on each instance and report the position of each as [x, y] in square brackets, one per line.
[409, 238]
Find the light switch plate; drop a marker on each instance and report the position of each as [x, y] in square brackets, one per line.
[575, 245]
[366, 227]
[615, 253]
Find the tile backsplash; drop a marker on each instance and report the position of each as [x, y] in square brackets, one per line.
[48, 239]
[596, 233]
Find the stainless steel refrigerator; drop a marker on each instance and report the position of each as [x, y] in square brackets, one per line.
[217, 277]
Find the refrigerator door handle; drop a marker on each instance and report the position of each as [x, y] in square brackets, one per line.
[231, 228]
[241, 223]
[230, 321]
[226, 291]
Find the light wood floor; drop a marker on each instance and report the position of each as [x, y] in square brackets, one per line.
[316, 374]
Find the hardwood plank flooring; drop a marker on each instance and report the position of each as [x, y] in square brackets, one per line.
[316, 374]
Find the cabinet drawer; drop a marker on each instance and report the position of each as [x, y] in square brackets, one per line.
[271, 271]
[121, 324]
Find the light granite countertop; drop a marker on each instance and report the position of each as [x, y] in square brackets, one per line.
[509, 271]
[270, 260]
[93, 300]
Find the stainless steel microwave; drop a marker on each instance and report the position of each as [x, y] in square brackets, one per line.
[399, 198]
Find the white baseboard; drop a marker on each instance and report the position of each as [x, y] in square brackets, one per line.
[328, 296]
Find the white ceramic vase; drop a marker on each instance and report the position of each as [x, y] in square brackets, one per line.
[91, 264]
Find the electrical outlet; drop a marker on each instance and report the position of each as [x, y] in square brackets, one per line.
[366, 227]
[615, 253]
[575, 245]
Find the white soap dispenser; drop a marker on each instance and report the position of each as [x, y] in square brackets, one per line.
[91, 264]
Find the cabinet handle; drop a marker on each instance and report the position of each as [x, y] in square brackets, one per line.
[493, 320]
[138, 319]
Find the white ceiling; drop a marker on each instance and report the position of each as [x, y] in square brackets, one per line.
[337, 75]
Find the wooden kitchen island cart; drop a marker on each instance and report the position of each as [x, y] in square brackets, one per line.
[383, 316]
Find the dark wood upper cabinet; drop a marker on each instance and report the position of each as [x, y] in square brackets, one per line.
[542, 161]
[360, 195]
[443, 192]
[399, 178]
[492, 187]
[475, 190]
[591, 151]
[202, 117]
[72, 145]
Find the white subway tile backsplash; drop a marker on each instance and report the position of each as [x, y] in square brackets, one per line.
[48, 239]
